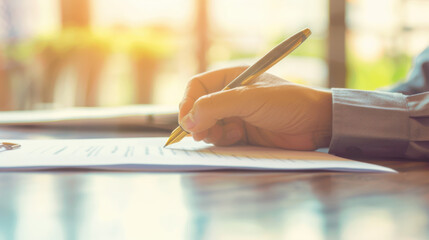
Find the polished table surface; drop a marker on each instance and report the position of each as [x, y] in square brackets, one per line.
[78, 204]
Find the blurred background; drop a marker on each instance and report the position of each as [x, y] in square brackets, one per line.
[65, 53]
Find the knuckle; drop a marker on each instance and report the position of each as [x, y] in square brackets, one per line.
[196, 86]
[184, 101]
[204, 102]
[204, 105]
[193, 82]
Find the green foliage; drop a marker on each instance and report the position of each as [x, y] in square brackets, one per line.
[20, 52]
[158, 43]
[149, 42]
[61, 43]
[382, 72]
[74, 39]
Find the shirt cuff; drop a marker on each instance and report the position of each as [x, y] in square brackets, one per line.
[369, 123]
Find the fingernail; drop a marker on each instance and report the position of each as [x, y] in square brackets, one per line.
[188, 122]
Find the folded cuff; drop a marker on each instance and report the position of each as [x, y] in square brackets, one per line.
[369, 123]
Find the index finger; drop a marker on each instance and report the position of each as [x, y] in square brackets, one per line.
[206, 83]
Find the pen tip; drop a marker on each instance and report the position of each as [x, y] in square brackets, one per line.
[169, 141]
[306, 32]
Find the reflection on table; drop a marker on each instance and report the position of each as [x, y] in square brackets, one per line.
[72, 204]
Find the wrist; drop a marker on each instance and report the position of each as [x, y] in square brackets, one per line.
[323, 134]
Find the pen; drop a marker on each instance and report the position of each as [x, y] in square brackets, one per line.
[9, 146]
[262, 65]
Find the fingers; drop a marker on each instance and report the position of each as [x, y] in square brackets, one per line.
[232, 133]
[185, 106]
[229, 133]
[200, 135]
[207, 110]
[206, 83]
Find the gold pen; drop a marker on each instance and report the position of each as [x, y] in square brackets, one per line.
[9, 146]
[262, 65]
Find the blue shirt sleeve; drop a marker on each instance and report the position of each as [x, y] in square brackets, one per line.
[418, 77]
[384, 124]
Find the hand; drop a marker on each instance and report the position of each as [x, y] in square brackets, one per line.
[270, 111]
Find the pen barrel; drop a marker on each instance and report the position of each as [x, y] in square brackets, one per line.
[270, 59]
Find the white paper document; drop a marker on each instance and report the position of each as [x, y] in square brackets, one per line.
[148, 154]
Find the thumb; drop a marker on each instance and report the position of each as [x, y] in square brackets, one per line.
[207, 110]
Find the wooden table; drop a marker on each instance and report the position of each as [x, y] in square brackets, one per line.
[235, 205]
